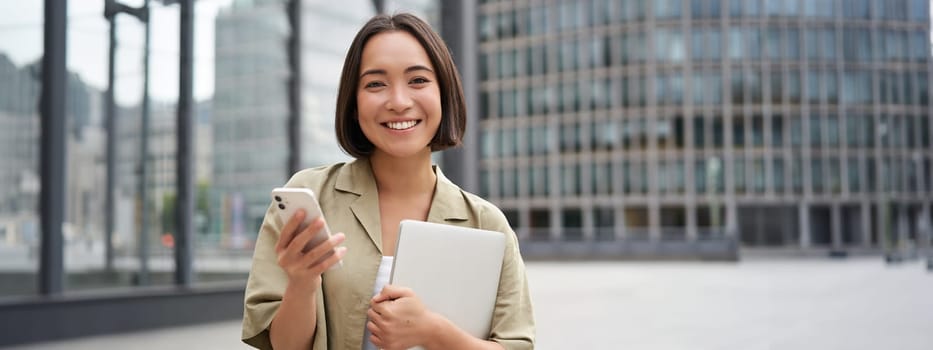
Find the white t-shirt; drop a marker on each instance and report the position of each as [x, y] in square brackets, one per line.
[382, 278]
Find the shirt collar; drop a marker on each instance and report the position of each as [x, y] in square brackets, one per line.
[449, 202]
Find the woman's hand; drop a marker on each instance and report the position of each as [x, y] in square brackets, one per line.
[398, 319]
[304, 267]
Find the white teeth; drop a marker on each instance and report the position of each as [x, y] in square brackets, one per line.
[401, 125]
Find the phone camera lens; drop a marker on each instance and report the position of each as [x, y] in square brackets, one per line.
[278, 199]
[281, 206]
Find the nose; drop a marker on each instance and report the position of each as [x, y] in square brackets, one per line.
[399, 99]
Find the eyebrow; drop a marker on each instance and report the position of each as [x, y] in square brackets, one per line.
[407, 70]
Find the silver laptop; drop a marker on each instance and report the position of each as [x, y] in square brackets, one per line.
[454, 270]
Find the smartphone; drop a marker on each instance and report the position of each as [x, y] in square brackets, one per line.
[287, 201]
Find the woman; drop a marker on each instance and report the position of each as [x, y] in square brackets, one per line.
[400, 99]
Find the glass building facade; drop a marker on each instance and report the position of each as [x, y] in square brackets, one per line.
[240, 134]
[770, 122]
[251, 106]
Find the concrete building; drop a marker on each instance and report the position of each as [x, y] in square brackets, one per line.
[776, 123]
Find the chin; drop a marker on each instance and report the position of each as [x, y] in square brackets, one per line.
[407, 151]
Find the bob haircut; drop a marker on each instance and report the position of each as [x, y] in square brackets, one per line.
[453, 110]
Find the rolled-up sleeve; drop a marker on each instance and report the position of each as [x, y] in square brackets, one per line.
[513, 323]
[265, 287]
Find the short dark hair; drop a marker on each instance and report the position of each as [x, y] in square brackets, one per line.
[453, 109]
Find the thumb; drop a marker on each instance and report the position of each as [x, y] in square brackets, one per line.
[391, 292]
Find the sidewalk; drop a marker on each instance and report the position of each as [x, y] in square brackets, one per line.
[856, 303]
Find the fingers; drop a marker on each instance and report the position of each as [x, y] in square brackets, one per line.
[376, 341]
[390, 292]
[303, 237]
[374, 315]
[372, 326]
[320, 267]
[322, 249]
[290, 229]
[375, 332]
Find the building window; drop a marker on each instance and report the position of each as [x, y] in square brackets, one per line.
[605, 134]
[539, 181]
[699, 177]
[797, 175]
[751, 8]
[736, 49]
[484, 183]
[778, 174]
[792, 86]
[738, 173]
[835, 176]
[626, 174]
[540, 223]
[753, 87]
[852, 170]
[676, 176]
[758, 175]
[777, 130]
[757, 135]
[738, 90]
[487, 30]
[718, 133]
[828, 43]
[816, 172]
[568, 55]
[832, 130]
[813, 87]
[816, 133]
[699, 132]
[662, 176]
[570, 137]
[667, 9]
[484, 105]
[488, 143]
[738, 131]
[604, 223]
[572, 224]
[796, 131]
[673, 222]
[508, 182]
[641, 171]
[669, 45]
[753, 39]
[570, 180]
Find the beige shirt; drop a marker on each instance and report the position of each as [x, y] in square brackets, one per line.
[349, 199]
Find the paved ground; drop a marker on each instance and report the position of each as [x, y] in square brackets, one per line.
[858, 303]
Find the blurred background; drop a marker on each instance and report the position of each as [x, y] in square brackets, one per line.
[683, 130]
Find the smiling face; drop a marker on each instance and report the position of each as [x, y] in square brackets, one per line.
[398, 96]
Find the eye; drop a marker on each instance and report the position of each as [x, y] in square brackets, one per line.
[373, 84]
[419, 81]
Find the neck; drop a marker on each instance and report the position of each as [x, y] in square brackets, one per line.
[411, 175]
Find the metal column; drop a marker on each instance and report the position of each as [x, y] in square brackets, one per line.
[184, 206]
[294, 87]
[143, 160]
[458, 27]
[52, 147]
[803, 210]
[110, 124]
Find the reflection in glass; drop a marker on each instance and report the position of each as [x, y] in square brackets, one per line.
[667, 9]
[852, 169]
[758, 175]
[816, 172]
[777, 130]
[19, 141]
[778, 174]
